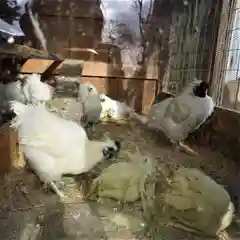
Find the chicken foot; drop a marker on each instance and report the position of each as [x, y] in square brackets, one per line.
[180, 146]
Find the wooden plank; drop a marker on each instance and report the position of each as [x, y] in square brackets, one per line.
[36, 66]
[11, 157]
[137, 93]
[70, 68]
[57, 33]
[98, 69]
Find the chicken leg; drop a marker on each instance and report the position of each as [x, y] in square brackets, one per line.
[180, 146]
[56, 190]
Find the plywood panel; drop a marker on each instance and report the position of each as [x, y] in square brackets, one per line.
[85, 33]
[70, 68]
[57, 34]
[137, 93]
[99, 69]
[9, 149]
[148, 95]
[99, 83]
[36, 66]
[73, 8]
[50, 7]
[86, 9]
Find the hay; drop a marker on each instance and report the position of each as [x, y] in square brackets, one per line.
[180, 194]
[188, 203]
[132, 136]
[124, 181]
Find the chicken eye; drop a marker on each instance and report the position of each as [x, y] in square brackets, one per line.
[90, 89]
[103, 100]
[110, 149]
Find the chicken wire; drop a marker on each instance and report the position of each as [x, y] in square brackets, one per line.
[191, 43]
[231, 70]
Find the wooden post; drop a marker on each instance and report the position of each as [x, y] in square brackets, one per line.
[11, 157]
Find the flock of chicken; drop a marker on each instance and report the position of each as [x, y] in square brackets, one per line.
[54, 146]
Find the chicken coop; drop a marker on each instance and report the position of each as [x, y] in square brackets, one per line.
[138, 53]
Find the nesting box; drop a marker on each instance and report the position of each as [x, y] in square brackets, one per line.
[11, 156]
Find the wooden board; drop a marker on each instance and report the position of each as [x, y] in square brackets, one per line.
[36, 66]
[11, 157]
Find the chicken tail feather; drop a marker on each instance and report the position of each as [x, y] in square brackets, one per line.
[17, 107]
[138, 117]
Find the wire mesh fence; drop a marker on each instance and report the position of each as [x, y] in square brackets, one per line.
[191, 43]
[231, 70]
[204, 43]
[175, 42]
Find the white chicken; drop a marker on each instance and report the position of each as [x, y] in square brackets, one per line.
[9, 92]
[29, 90]
[113, 109]
[54, 146]
[179, 116]
[35, 90]
[91, 105]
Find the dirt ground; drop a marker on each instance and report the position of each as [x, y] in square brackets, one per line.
[28, 213]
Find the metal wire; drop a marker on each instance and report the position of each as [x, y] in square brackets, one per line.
[231, 93]
[189, 47]
[206, 50]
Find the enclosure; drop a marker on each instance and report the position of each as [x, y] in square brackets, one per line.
[146, 50]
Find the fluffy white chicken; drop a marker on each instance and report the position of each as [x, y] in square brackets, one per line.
[91, 104]
[9, 92]
[35, 90]
[29, 90]
[54, 146]
[179, 116]
[113, 109]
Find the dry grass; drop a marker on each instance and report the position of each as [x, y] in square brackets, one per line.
[157, 146]
[21, 190]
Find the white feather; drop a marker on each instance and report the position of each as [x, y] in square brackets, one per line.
[35, 90]
[90, 99]
[55, 146]
[9, 92]
[30, 91]
[185, 114]
[112, 108]
[179, 116]
[156, 114]
[17, 107]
